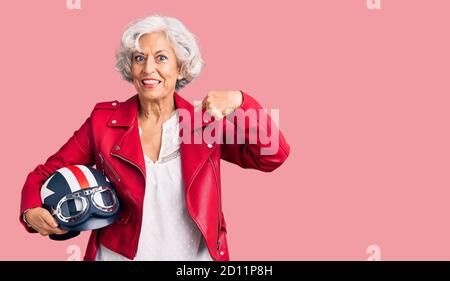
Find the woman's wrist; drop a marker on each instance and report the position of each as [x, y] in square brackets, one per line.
[24, 217]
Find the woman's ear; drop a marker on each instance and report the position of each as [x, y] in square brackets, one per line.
[180, 72]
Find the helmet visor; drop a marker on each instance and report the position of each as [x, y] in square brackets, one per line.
[71, 208]
[104, 199]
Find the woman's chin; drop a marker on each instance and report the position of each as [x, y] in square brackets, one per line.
[152, 94]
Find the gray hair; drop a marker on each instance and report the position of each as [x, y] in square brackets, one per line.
[183, 42]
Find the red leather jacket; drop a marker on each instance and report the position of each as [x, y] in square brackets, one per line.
[109, 138]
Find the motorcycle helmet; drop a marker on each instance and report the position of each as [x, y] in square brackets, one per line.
[79, 198]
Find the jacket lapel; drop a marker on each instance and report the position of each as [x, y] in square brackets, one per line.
[128, 146]
[193, 155]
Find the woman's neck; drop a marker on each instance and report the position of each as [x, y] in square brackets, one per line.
[156, 111]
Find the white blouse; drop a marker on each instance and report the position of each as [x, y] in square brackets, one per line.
[168, 232]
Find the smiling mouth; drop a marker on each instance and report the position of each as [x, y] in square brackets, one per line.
[150, 83]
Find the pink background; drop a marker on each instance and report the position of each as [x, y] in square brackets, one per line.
[363, 98]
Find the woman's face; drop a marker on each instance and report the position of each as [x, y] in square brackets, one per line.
[154, 69]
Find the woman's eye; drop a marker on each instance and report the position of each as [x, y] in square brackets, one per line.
[162, 57]
[139, 58]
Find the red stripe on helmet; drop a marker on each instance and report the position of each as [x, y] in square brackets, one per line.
[79, 175]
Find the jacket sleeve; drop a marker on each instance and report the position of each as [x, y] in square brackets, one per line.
[77, 150]
[256, 142]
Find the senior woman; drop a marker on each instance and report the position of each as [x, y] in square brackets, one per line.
[169, 187]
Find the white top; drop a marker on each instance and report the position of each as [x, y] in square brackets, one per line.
[168, 232]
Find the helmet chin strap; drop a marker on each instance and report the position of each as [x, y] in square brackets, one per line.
[65, 236]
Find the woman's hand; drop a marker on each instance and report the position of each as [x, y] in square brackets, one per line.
[221, 103]
[42, 221]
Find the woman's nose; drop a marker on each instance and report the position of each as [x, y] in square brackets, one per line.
[150, 67]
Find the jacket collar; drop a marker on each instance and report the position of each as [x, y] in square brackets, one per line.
[126, 114]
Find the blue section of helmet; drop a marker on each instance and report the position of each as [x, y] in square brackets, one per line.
[59, 186]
